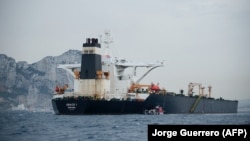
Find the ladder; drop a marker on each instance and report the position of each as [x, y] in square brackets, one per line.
[195, 104]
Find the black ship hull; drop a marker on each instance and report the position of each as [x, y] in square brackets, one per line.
[170, 104]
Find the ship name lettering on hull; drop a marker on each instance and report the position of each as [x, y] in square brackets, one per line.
[71, 106]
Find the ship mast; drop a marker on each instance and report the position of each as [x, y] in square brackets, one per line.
[107, 40]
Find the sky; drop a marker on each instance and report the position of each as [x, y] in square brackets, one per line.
[200, 41]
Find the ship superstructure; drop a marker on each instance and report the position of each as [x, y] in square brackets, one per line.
[102, 76]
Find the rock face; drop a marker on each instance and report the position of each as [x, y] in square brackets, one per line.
[33, 84]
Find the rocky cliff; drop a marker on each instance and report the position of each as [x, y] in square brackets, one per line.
[32, 85]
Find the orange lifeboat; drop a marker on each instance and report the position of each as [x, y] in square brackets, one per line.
[57, 89]
[155, 87]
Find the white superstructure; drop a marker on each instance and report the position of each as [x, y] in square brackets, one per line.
[111, 81]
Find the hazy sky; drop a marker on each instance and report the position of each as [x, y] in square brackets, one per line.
[205, 41]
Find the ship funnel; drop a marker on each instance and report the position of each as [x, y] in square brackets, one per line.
[91, 59]
[94, 40]
[88, 41]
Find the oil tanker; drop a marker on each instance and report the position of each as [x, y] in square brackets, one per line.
[101, 86]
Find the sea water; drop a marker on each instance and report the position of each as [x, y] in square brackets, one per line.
[46, 126]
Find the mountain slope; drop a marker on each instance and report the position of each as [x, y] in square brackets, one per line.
[33, 84]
